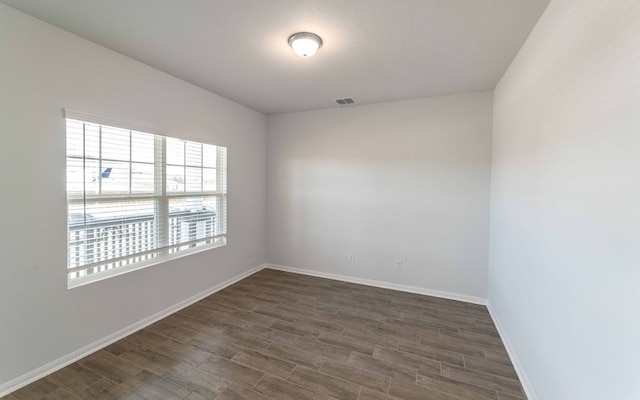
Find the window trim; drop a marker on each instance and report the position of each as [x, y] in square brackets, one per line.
[160, 197]
[85, 280]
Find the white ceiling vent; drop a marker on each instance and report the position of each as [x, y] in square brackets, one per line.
[346, 101]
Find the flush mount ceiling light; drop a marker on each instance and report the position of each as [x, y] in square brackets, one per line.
[305, 44]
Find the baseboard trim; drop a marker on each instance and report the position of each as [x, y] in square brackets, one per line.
[524, 379]
[74, 356]
[517, 365]
[381, 284]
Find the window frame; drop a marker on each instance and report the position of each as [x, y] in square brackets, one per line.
[160, 197]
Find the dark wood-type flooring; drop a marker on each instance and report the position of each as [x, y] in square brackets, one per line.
[283, 336]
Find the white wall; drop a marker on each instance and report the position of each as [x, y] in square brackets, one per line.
[405, 180]
[565, 202]
[43, 70]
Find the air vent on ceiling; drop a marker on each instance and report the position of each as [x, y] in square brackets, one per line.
[346, 101]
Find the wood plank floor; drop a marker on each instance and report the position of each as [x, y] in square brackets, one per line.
[283, 336]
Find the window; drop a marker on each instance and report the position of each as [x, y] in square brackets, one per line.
[136, 198]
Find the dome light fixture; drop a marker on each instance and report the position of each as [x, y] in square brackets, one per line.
[305, 44]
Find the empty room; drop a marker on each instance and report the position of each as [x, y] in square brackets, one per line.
[320, 199]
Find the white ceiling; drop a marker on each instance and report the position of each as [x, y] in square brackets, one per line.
[374, 50]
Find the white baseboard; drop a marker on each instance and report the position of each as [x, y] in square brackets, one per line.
[74, 356]
[384, 285]
[524, 379]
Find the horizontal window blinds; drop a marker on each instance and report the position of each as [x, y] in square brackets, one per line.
[135, 197]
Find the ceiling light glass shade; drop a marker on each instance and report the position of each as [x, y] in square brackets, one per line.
[305, 44]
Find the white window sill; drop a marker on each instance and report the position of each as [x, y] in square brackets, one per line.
[85, 280]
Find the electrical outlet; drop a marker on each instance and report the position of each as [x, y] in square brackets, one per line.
[351, 257]
[398, 263]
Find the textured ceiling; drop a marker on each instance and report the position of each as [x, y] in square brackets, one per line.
[374, 50]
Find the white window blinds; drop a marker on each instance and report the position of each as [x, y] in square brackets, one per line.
[135, 198]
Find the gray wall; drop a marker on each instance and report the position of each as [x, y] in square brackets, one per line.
[405, 180]
[43, 70]
[565, 202]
